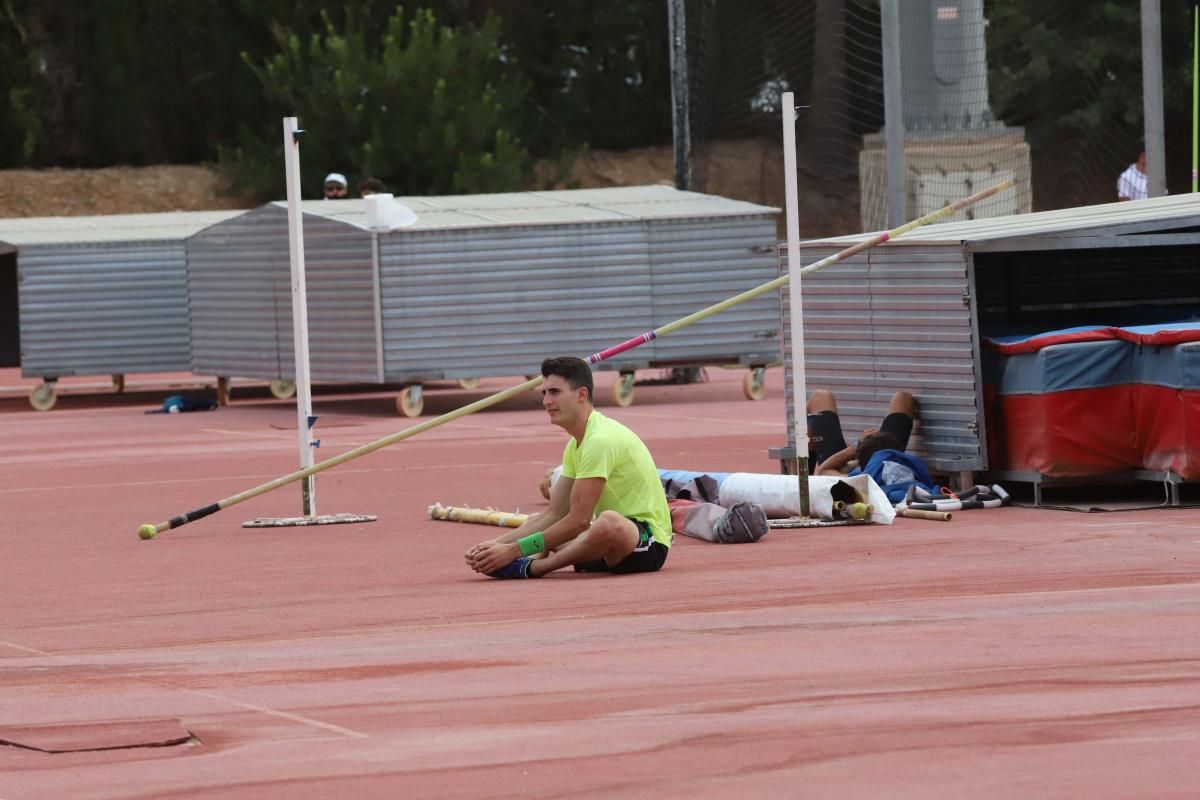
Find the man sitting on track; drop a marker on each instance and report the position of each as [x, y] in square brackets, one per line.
[879, 453]
[607, 512]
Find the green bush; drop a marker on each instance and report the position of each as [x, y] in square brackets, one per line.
[426, 108]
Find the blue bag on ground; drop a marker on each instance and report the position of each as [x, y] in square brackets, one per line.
[895, 471]
[178, 403]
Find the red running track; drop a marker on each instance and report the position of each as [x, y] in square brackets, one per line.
[1011, 653]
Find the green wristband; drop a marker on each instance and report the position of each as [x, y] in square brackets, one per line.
[533, 543]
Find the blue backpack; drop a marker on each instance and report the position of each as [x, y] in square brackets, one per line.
[177, 403]
[895, 471]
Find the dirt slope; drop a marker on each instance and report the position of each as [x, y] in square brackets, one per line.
[743, 170]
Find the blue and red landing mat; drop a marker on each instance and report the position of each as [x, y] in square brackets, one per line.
[1093, 400]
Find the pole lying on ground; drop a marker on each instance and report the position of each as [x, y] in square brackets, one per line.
[940, 516]
[478, 516]
[149, 531]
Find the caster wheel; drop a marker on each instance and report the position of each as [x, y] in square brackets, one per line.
[43, 397]
[622, 393]
[409, 402]
[470, 384]
[753, 384]
[283, 389]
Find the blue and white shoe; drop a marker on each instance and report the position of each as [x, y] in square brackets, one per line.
[516, 569]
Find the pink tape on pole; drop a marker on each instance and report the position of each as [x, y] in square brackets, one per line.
[636, 341]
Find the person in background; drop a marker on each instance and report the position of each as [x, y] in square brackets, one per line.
[370, 186]
[335, 186]
[1132, 183]
[880, 452]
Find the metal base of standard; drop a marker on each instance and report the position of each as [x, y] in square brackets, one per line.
[322, 519]
[810, 522]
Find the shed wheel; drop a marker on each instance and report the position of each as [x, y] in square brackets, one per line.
[753, 384]
[470, 384]
[622, 393]
[43, 397]
[283, 389]
[409, 402]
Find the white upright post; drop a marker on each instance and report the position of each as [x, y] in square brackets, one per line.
[799, 389]
[304, 415]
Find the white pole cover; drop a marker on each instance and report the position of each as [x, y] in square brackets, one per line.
[791, 192]
[304, 417]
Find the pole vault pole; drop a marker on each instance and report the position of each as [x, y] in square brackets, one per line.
[149, 530]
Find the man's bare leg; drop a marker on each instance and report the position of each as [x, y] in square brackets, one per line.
[822, 400]
[903, 403]
[610, 537]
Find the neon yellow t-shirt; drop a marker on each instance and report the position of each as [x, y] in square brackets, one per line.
[632, 487]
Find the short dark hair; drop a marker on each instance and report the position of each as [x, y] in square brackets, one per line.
[872, 444]
[575, 371]
[370, 184]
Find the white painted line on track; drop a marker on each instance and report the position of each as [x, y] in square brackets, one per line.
[1114, 524]
[274, 712]
[288, 435]
[15, 646]
[264, 478]
[776, 425]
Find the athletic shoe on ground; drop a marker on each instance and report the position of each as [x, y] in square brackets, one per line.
[517, 569]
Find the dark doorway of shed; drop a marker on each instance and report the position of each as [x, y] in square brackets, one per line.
[10, 336]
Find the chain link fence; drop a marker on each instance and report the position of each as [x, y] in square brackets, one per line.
[1047, 94]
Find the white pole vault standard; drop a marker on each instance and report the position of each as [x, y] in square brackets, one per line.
[304, 416]
[795, 301]
[149, 531]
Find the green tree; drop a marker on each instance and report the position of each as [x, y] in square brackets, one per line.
[19, 121]
[426, 108]
[599, 72]
[1071, 73]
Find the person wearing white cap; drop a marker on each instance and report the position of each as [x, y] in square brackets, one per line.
[335, 186]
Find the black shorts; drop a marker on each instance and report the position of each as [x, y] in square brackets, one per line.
[649, 556]
[825, 434]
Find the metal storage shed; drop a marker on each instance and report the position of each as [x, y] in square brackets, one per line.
[908, 314]
[485, 285]
[101, 295]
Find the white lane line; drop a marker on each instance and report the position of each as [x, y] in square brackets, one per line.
[252, 434]
[273, 712]
[1114, 524]
[342, 471]
[776, 425]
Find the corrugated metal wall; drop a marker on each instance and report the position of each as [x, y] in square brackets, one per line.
[238, 293]
[239, 298]
[478, 300]
[496, 301]
[103, 309]
[898, 317]
[696, 263]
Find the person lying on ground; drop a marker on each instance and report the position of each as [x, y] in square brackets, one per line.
[694, 514]
[607, 512]
[880, 452]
